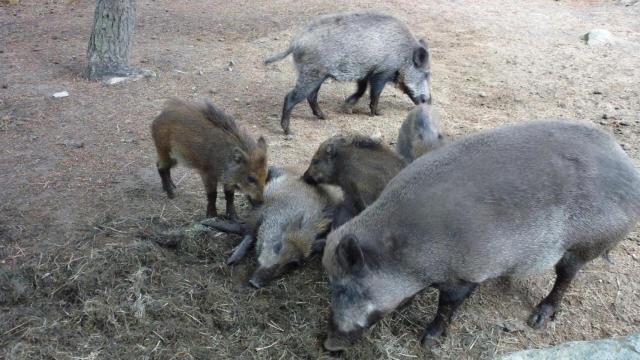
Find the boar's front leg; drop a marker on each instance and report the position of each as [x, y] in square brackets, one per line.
[566, 270]
[353, 99]
[452, 295]
[229, 196]
[211, 187]
[240, 251]
[377, 81]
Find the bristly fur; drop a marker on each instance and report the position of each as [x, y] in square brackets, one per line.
[224, 121]
[359, 141]
[218, 118]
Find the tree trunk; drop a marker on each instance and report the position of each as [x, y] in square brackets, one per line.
[109, 45]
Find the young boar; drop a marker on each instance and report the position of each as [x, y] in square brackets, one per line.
[204, 138]
[289, 226]
[512, 201]
[419, 133]
[361, 166]
[363, 46]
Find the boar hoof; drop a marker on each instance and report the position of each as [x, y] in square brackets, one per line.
[321, 116]
[347, 108]
[541, 314]
[335, 344]
[170, 194]
[431, 335]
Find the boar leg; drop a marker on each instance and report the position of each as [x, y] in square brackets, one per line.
[452, 295]
[240, 251]
[313, 103]
[353, 99]
[211, 187]
[304, 87]
[377, 81]
[164, 170]
[566, 270]
[229, 194]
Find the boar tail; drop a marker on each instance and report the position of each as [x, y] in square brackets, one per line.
[277, 57]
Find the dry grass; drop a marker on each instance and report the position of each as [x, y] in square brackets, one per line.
[82, 274]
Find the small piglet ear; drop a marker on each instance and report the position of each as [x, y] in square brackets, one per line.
[349, 254]
[420, 56]
[239, 156]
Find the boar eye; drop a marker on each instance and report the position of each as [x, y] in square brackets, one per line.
[277, 248]
[251, 179]
[315, 162]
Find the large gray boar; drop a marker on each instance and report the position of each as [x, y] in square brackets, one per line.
[419, 133]
[512, 201]
[363, 46]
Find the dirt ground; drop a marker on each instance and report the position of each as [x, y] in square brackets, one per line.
[81, 203]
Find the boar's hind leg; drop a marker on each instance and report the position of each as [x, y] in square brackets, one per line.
[452, 295]
[304, 87]
[353, 99]
[377, 81]
[164, 169]
[313, 103]
[566, 270]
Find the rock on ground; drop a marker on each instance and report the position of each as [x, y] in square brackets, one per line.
[597, 37]
[617, 348]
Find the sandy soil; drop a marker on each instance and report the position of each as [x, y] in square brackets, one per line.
[81, 199]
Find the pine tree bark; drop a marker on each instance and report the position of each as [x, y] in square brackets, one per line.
[110, 42]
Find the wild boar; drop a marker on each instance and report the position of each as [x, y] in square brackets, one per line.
[202, 137]
[287, 229]
[419, 133]
[511, 201]
[364, 46]
[360, 165]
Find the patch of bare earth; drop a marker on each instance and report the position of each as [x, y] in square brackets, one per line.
[81, 203]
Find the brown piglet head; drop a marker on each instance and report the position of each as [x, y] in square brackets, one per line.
[248, 173]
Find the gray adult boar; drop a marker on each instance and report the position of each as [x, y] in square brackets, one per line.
[363, 46]
[512, 201]
[419, 133]
[291, 225]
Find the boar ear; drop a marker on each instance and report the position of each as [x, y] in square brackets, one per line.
[239, 156]
[420, 56]
[349, 254]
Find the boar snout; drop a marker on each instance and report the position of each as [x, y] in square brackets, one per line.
[261, 277]
[338, 341]
[308, 178]
[417, 100]
[255, 201]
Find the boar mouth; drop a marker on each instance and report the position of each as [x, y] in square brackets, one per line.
[340, 342]
[336, 344]
[263, 276]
